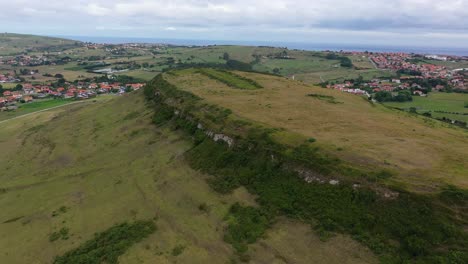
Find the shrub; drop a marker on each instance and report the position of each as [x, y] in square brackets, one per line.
[107, 246]
[177, 250]
[62, 233]
[245, 225]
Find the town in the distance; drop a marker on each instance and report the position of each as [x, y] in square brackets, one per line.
[77, 70]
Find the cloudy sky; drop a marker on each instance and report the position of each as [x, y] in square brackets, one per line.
[389, 22]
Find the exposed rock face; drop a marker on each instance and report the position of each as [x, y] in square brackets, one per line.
[310, 176]
[334, 182]
[228, 140]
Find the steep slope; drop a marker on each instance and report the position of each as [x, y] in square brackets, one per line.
[86, 167]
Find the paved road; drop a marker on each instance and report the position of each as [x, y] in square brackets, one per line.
[43, 110]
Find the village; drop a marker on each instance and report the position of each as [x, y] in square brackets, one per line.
[412, 75]
[25, 93]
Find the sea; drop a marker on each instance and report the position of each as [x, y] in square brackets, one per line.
[454, 51]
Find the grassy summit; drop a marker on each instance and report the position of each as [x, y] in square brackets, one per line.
[423, 153]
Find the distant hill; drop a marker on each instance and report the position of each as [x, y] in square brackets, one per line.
[11, 43]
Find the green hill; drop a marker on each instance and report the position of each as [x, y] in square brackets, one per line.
[80, 169]
[423, 153]
[325, 158]
[208, 165]
[11, 43]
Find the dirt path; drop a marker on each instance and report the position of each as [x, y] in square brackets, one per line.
[43, 110]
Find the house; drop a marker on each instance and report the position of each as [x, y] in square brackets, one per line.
[68, 95]
[136, 86]
[439, 87]
[7, 93]
[27, 98]
[420, 93]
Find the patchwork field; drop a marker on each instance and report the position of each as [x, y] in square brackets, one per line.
[425, 153]
[86, 167]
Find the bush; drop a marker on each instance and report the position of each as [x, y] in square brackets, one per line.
[177, 250]
[106, 247]
[63, 234]
[245, 225]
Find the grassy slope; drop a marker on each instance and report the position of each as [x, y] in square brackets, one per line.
[106, 163]
[425, 153]
[13, 43]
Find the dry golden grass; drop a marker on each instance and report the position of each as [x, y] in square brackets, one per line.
[424, 152]
[107, 168]
[306, 247]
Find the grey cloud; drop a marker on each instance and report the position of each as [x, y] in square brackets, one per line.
[425, 16]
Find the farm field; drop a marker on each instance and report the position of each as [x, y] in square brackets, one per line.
[448, 64]
[426, 153]
[42, 104]
[88, 166]
[442, 102]
[26, 108]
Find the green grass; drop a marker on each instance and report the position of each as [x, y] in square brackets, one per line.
[409, 227]
[107, 165]
[230, 79]
[107, 246]
[425, 153]
[15, 43]
[437, 103]
[38, 105]
[9, 85]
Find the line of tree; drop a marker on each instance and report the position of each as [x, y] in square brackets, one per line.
[402, 96]
[344, 61]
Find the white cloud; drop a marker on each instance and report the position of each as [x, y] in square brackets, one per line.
[97, 10]
[223, 16]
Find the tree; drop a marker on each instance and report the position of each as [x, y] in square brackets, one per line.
[383, 96]
[226, 56]
[403, 96]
